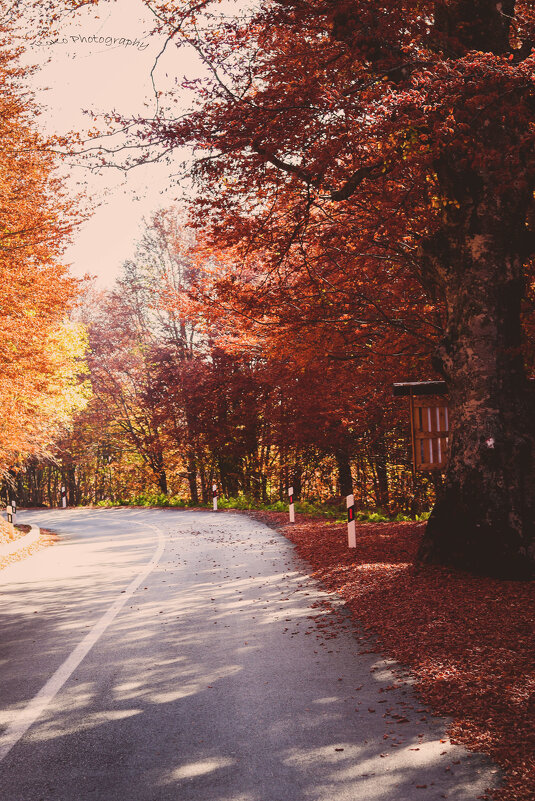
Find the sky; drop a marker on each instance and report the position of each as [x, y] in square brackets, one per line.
[77, 75]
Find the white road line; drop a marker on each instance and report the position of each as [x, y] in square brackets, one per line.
[25, 717]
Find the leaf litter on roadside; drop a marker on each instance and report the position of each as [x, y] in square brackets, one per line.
[468, 641]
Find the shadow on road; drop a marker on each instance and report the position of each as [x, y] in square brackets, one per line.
[227, 677]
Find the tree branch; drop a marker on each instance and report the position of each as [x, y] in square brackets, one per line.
[374, 170]
[369, 171]
[293, 169]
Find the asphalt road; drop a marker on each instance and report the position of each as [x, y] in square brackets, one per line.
[161, 654]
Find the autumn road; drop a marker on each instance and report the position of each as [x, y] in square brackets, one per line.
[158, 654]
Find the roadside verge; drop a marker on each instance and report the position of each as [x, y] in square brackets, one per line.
[24, 546]
[468, 641]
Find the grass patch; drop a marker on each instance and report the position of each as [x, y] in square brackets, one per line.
[331, 512]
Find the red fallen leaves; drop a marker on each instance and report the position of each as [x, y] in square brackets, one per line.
[469, 641]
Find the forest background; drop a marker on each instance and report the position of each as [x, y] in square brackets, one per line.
[185, 394]
[361, 213]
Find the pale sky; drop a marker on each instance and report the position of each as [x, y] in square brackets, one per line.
[105, 76]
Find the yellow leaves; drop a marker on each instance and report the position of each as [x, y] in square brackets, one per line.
[438, 202]
[35, 405]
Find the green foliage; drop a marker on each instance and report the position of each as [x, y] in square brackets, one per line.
[239, 502]
[380, 517]
[301, 507]
[159, 499]
[278, 506]
[336, 514]
[371, 517]
[149, 499]
[316, 509]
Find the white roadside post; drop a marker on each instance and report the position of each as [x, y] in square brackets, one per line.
[291, 498]
[351, 534]
[214, 496]
[63, 498]
[9, 511]
[14, 508]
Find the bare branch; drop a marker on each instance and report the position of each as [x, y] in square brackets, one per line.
[286, 166]
[369, 171]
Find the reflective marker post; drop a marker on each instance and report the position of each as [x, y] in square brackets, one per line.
[351, 534]
[9, 511]
[14, 508]
[63, 497]
[214, 496]
[291, 498]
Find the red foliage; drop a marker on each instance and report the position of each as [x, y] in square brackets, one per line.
[371, 163]
[470, 642]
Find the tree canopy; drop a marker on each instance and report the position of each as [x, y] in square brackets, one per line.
[381, 157]
[40, 350]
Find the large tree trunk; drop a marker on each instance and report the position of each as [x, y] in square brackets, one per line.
[206, 491]
[192, 479]
[231, 473]
[162, 482]
[156, 462]
[345, 479]
[296, 478]
[379, 458]
[484, 519]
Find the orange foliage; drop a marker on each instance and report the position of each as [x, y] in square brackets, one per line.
[38, 351]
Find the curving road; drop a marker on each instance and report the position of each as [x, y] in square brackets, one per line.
[159, 654]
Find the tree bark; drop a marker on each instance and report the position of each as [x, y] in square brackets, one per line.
[192, 480]
[345, 479]
[380, 462]
[297, 480]
[162, 482]
[205, 491]
[231, 474]
[483, 520]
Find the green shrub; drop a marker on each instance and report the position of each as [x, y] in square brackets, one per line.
[334, 513]
[177, 502]
[239, 502]
[366, 516]
[278, 506]
[155, 499]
